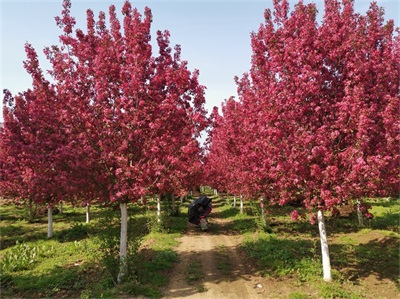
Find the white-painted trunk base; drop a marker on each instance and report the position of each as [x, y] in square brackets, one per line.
[159, 208]
[326, 262]
[123, 248]
[87, 213]
[264, 221]
[49, 222]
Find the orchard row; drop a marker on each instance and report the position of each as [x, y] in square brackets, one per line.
[315, 123]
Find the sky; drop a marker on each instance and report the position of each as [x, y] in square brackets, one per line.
[214, 35]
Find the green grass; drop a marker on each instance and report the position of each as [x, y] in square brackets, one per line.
[194, 275]
[224, 263]
[194, 272]
[292, 249]
[73, 262]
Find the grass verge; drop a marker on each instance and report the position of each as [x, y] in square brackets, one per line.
[81, 260]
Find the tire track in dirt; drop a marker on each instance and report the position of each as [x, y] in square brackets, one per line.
[226, 274]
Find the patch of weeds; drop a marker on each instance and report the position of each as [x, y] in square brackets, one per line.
[146, 290]
[21, 257]
[108, 240]
[201, 289]
[104, 287]
[194, 272]
[261, 222]
[308, 269]
[299, 295]
[224, 263]
[86, 294]
[335, 290]
[5, 281]
[279, 257]
[46, 282]
[153, 266]
[163, 260]
[243, 223]
[77, 231]
[386, 213]
[226, 211]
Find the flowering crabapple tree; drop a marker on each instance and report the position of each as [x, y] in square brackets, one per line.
[132, 117]
[227, 161]
[32, 144]
[174, 154]
[220, 160]
[323, 97]
[337, 86]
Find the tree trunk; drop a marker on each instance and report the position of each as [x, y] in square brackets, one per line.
[87, 213]
[264, 222]
[216, 192]
[360, 215]
[31, 213]
[123, 247]
[49, 222]
[61, 207]
[173, 204]
[241, 204]
[159, 208]
[181, 203]
[326, 263]
[234, 201]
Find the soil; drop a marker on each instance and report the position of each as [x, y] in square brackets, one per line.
[227, 271]
[211, 248]
[228, 274]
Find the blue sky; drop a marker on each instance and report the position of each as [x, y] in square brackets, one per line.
[214, 35]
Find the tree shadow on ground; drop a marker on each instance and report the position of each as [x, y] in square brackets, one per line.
[377, 257]
[13, 233]
[58, 282]
[199, 270]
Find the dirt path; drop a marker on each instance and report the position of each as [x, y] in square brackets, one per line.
[211, 265]
[225, 274]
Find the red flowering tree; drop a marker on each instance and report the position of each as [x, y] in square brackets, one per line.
[322, 98]
[133, 118]
[174, 154]
[32, 155]
[220, 162]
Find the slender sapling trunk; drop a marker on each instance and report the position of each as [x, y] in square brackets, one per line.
[326, 262]
[31, 214]
[264, 222]
[49, 222]
[159, 208]
[123, 248]
[173, 204]
[87, 213]
[360, 214]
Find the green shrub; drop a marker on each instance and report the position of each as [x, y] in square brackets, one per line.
[20, 257]
[108, 239]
